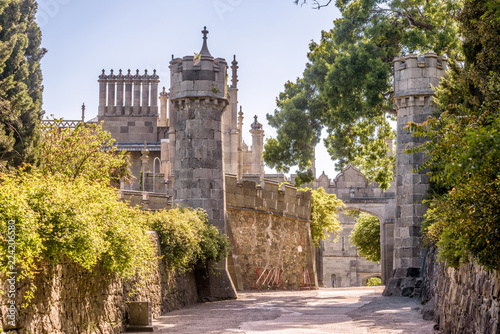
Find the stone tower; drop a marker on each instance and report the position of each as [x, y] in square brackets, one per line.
[413, 94]
[198, 94]
[257, 147]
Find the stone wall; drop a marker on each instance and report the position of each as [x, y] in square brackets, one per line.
[465, 300]
[70, 299]
[269, 229]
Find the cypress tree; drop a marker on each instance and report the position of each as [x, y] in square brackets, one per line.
[20, 82]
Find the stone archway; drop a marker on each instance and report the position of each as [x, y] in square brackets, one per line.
[357, 193]
[382, 211]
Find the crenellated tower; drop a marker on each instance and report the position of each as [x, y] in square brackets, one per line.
[199, 98]
[414, 78]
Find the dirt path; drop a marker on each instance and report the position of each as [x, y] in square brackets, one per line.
[353, 311]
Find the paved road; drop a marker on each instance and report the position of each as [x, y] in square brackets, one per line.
[352, 310]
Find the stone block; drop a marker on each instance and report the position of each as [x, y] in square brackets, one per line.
[140, 314]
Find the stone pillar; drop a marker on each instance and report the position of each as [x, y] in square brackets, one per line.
[413, 77]
[144, 163]
[102, 93]
[153, 106]
[111, 94]
[145, 94]
[137, 94]
[257, 148]
[164, 103]
[230, 123]
[128, 93]
[199, 98]
[240, 141]
[164, 157]
[119, 94]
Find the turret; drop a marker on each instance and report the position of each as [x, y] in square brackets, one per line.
[198, 94]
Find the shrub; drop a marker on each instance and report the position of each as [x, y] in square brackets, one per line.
[186, 237]
[374, 281]
[82, 220]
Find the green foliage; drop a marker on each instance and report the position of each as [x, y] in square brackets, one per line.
[324, 219]
[57, 217]
[20, 82]
[366, 236]
[86, 151]
[374, 281]
[187, 237]
[347, 87]
[463, 147]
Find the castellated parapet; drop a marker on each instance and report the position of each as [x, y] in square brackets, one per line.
[414, 79]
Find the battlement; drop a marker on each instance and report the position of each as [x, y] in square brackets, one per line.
[198, 76]
[268, 197]
[415, 76]
[128, 94]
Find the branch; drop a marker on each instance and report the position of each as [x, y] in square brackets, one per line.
[316, 3]
[407, 16]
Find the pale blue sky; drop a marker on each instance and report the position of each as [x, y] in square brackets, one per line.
[270, 40]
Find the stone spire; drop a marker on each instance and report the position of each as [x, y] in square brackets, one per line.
[204, 49]
[240, 119]
[234, 67]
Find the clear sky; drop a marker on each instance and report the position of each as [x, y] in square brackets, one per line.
[269, 38]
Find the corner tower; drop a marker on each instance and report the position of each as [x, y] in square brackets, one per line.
[198, 94]
[414, 78]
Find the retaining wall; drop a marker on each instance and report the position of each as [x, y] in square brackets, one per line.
[70, 299]
[464, 300]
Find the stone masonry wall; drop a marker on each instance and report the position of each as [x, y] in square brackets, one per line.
[70, 299]
[465, 300]
[269, 229]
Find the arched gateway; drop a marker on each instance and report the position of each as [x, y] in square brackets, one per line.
[340, 259]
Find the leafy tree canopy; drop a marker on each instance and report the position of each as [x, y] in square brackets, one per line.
[347, 88]
[464, 140]
[366, 236]
[86, 151]
[324, 220]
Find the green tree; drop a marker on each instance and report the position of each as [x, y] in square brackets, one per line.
[347, 87]
[86, 151]
[20, 82]
[324, 220]
[463, 146]
[366, 236]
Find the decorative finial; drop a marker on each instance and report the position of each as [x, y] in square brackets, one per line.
[204, 32]
[204, 50]
[103, 72]
[256, 125]
[164, 92]
[129, 71]
[172, 57]
[112, 72]
[145, 72]
[83, 112]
